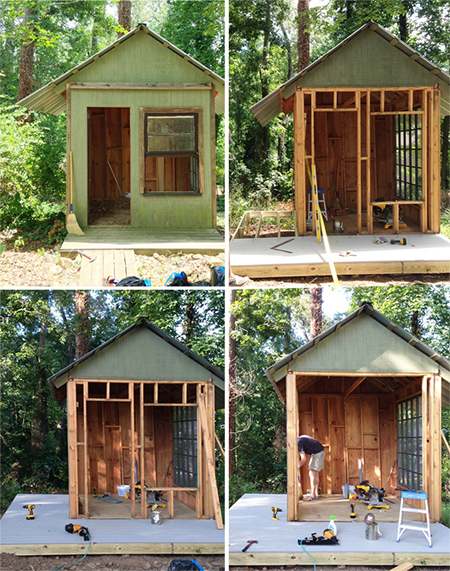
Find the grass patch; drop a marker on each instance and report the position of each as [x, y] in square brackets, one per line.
[445, 222]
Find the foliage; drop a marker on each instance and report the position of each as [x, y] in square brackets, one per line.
[31, 189]
[445, 223]
[37, 335]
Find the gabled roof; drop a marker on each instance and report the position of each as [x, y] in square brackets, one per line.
[269, 107]
[47, 99]
[277, 372]
[58, 381]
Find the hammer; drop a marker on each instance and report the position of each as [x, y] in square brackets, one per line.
[86, 256]
[249, 542]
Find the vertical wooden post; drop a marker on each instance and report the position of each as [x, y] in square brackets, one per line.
[213, 157]
[68, 148]
[425, 437]
[133, 469]
[199, 498]
[358, 161]
[141, 450]
[368, 166]
[72, 446]
[292, 453]
[86, 459]
[425, 140]
[434, 496]
[434, 221]
[299, 161]
[170, 506]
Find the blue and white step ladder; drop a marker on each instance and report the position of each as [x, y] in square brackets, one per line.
[408, 524]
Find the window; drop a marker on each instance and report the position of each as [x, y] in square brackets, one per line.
[172, 150]
[408, 157]
[409, 439]
[185, 446]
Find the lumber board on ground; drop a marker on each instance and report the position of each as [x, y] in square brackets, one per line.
[116, 549]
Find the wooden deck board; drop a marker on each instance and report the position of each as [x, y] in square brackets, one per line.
[144, 241]
[304, 256]
[118, 264]
[45, 535]
[250, 518]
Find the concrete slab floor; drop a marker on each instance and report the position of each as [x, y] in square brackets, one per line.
[250, 519]
[52, 514]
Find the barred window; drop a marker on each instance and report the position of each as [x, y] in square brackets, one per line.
[408, 157]
[185, 446]
[409, 439]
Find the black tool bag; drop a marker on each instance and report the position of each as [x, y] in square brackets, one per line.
[218, 276]
[131, 281]
[184, 565]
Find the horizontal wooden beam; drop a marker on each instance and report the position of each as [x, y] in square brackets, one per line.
[115, 549]
[148, 382]
[149, 86]
[170, 404]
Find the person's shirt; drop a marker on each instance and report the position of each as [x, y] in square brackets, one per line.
[308, 445]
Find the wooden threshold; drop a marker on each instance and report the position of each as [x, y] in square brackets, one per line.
[116, 549]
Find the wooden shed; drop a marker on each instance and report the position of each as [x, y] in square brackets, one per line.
[367, 115]
[372, 394]
[141, 128]
[141, 409]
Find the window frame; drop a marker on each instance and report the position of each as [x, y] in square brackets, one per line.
[144, 112]
[185, 458]
[410, 443]
[408, 157]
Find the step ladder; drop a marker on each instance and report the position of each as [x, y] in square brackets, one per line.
[402, 525]
[321, 203]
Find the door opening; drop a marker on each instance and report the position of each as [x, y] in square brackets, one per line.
[109, 166]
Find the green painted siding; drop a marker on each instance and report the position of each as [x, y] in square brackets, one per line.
[140, 355]
[367, 61]
[130, 62]
[362, 346]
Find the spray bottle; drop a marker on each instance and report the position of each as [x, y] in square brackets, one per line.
[332, 525]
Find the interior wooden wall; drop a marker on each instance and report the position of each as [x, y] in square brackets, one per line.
[360, 426]
[167, 174]
[109, 140]
[335, 139]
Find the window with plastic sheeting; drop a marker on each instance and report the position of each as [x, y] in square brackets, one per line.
[173, 151]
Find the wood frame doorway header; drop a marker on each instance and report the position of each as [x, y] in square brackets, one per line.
[368, 104]
[139, 396]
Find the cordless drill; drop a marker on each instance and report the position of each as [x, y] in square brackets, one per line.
[80, 529]
[30, 508]
[275, 512]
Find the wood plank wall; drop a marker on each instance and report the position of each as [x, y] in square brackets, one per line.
[359, 427]
[109, 140]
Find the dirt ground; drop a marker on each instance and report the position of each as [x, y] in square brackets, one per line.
[34, 265]
[106, 562]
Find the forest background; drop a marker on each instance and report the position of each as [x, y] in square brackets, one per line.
[265, 326]
[39, 41]
[270, 41]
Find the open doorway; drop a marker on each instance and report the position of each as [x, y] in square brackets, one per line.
[108, 166]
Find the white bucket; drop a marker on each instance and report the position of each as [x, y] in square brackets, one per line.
[351, 489]
[123, 490]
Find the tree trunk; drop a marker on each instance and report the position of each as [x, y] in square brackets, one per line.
[189, 322]
[39, 430]
[282, 137]
[303, 35]
[316, 311]
[81, 324]
[124, 16]
[26, 55]
[232, 382]
[264, 74]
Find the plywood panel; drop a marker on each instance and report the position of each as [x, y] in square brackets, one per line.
[163, 441]
[182, 174]
[371, 470]
[320, 135]
[369, 409]
[114, 158]
[149, 448]
[305, 422]
[321, 433]
[112, 458]
[353, 422]
[337, 459]
[353, 455]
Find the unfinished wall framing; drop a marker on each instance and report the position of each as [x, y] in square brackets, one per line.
[121, 432]
[350, 136]
[355, 419]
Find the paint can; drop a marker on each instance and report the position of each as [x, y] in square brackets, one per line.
[372, 531]
[345, 490]
[156, 518]
[338, 226]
